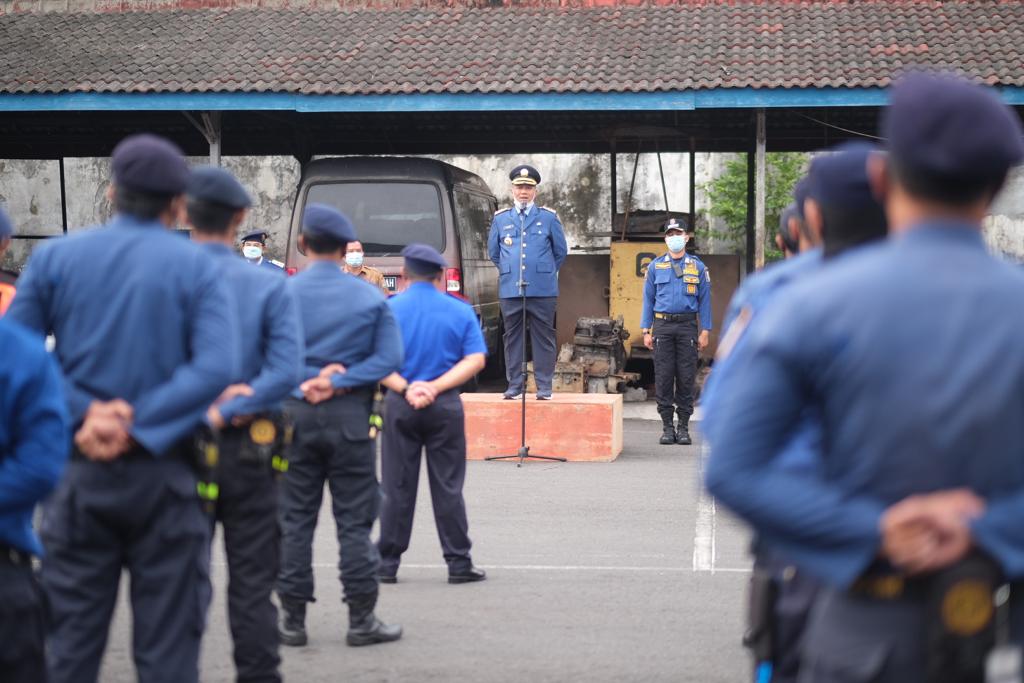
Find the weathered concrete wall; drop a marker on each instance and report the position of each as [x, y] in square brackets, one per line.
[1004, 230]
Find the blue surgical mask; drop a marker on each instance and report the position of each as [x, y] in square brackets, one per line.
[676, 243]
[354, 259]
[252, 252]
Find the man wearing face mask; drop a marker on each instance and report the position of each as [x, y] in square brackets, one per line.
[253, 246]
[354, 266]
[677, 292]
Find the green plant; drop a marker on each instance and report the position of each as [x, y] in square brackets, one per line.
[728, 198]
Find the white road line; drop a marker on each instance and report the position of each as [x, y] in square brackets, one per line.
[556, 568]
[704, 531]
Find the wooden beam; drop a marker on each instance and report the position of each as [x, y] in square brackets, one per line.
[759, 192]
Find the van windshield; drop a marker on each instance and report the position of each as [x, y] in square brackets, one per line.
[387, 216]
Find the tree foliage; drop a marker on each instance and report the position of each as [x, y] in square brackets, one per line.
[728, 198]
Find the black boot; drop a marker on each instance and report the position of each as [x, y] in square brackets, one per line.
[291, 626]
[668, 434]
[683, 432]
[364, 628]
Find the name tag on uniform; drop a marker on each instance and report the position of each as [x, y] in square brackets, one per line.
[662, 265]
[690, 269]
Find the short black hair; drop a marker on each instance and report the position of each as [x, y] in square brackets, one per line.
[210, 217]
[323, 244]
[844, 228]
[146, 206]
[944, 189]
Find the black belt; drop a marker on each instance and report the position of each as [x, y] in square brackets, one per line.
[676, 317]
[14, 557]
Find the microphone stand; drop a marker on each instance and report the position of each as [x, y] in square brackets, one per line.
[524, 450]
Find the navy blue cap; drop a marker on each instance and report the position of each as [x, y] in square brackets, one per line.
[422, 258]
[524, 175]
[673, 224]
[799, 195]
[6, 229]
[950, 128]
[213, 184]
[148, 163]
[840, 178]
[255, 236]
[326, 221]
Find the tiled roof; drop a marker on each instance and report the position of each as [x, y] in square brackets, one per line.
[651, 47]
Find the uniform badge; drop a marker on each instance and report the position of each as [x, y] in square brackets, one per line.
[707, 275]
[967, 607]
[262, 432]
[508, 241]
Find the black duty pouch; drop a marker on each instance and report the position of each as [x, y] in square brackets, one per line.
[760, 638]
[264, 441]
[960, 620]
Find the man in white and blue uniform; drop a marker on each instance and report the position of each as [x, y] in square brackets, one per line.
[254, 247]
[528, 246]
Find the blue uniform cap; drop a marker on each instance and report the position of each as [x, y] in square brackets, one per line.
[841, 178]
[673, 224]
[327, 221]
[799, 195]
[945, 126]
[524, 175]
[6, 229]
[422, 258]
[212, 184]
[148, 163]
[255, 236]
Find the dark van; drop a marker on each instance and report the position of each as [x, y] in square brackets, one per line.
[393, 201]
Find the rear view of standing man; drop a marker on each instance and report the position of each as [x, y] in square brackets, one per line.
[445, 349]
[528, 246]
[145, 335]
[677, 293]
[352, 343]
[247, 421]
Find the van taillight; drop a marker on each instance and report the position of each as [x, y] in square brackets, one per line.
[454, 279]
[291, 271]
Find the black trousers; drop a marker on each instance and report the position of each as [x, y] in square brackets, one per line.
[247, 511]
[440, 429]
[138, 512]
[22, 622]
[331, 444]
[675, 367]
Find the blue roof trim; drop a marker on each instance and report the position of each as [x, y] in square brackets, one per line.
[721, 98]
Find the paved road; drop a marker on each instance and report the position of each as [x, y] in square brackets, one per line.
[598, 572]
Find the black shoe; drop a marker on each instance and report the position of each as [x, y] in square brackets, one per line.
[387, 578]
[470, 575]
[668, 436]
[683, 436]
[364, 628]
[291, 626]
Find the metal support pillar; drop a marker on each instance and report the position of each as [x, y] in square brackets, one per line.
[749, 258]
[63, 196]
[209, 125]
[759, 191]
[615, 184]
[693, 184]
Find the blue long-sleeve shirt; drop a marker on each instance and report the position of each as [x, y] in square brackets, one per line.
[914, 396]
[139, 314]
[664, 292]
[345, 320]
[270, 335]
[529, 244]
[34, 432]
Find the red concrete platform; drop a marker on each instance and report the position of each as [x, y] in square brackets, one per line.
[577, 427]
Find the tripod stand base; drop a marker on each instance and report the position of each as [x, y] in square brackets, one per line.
[523, 454]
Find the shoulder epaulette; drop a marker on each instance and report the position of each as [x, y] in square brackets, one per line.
[279, 264]
[502, 210]
[545, 208]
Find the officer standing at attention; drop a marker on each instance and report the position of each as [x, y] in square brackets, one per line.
[677, 290]
[34, 440]
[913, 517]
[444, 350]
[146, 338]
[254, 244]
[352, 343]
[527, 244]
[7, 278]
[247, 421]
[354, 266]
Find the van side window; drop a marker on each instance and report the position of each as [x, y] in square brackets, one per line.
[473, 214]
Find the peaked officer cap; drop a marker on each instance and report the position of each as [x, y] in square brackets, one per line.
[949, 128]
[841, 178]
[326, 221]
[213, 184]
[423, 259]
[255, 236]
[673, 224]
[148, 163]
[524, 175]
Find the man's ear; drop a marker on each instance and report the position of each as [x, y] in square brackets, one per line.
[301, 243]
[878, 176]
[814, 220]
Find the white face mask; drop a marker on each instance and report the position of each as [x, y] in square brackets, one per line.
[252, 253]
[354, 259]
[675, 243]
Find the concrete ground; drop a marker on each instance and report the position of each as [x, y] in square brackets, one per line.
[617, 571]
